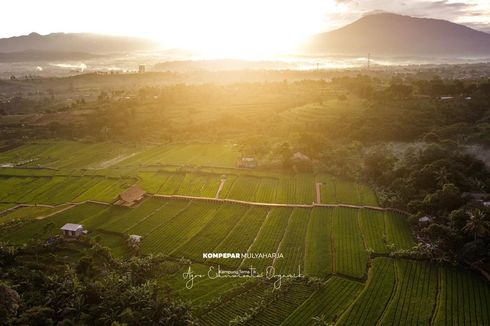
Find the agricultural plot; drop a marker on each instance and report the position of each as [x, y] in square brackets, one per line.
[185, 154]
[56, 189]
[372, 301]
[171, 184]
[286, 191]
[305, 189]
[203, 185]
[244, 188]
[213, 233]
[27, 213]
[65, 191]
[346, 192]
[266, 192]
[129, 217]
[42, 229]
[278, 310]
[204, 289]
[229, 181]
[397, 231]
[319, 257]
[238, 305]
[65, 154]
[415, 296]
[293, 244]
[242, 235]
[106, 190]
[254, 186]
[372, 224]
[350, 253]
[328, 302]
[33, 192]
[368, 197]
[152, 181]
[463, 299]
[169, 236]
[327, 189]
[161, 216]
[12, 187]
[104, 215]
[269, 237]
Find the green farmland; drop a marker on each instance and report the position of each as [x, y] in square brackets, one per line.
[258, 187]
[340, 254]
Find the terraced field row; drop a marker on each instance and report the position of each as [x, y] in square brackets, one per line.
[397, 292]
[75, 155]
[27, 213]
[66, 155]
[328, 302]
[299, 189]
[185, 154]
[60, 189]
[323, 240]
[318, 241]
[405, 292]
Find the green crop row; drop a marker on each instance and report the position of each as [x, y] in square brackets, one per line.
[326, 304]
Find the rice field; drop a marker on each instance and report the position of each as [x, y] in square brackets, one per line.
[316, 241]
[56, 190]
[258, 187]
[335, 247]
[327, 242]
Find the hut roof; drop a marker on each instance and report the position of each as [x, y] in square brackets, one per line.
[71, 227]
[132, 194]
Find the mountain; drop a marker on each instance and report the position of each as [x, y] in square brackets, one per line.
[38, 56]
[74, 43]
[387, 34]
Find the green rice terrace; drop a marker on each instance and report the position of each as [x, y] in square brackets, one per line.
[329, 230]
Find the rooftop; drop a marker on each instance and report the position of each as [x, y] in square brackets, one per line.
[132, 194]
[71, 227]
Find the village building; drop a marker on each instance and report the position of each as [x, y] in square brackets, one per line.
[134, 238]
[132, 196]
[299, 157]
[425, 220]
[72, 230]
[248, 162]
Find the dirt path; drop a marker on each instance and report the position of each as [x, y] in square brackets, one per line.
[318, 187]
[221, 185]
[113, 161]
[251, 203]
[54, 213]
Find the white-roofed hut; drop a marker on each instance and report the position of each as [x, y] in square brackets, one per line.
[72, 230]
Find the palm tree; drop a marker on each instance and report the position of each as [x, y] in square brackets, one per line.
[442, 176]
[477, 224]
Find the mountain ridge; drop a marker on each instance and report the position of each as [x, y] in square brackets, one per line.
[75, 42]
[398, 35]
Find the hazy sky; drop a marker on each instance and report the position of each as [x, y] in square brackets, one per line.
[220, 24]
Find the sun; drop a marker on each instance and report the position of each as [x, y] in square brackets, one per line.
[239, 29]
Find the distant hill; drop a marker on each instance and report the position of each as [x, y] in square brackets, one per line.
[26, 56]
[74, 43]
[386, 34]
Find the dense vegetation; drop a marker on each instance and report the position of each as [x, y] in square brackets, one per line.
[90, 288]
[438, 182]
[410, 141]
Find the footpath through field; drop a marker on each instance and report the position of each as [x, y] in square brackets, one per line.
[251, 203]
